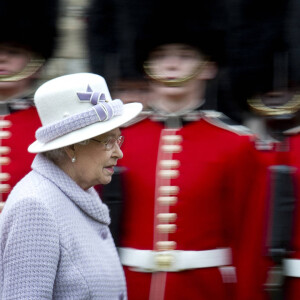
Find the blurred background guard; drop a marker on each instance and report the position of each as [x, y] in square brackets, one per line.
[27, 40]
[113, 39]
[266, 83]
[189, 176]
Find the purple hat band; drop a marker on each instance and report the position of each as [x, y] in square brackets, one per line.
[101, 111]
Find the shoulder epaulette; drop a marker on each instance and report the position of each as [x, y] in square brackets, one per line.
[221, 120]
[292, 131]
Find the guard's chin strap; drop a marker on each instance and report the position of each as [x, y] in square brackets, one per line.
[173, 82]
[291, 107]
[32, 67]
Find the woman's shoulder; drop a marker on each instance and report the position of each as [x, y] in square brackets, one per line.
[31, 189]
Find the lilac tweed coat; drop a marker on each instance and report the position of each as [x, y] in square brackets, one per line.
[55, 241]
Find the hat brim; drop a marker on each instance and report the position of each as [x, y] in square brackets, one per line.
[131, 110]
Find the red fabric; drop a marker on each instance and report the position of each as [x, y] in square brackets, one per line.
[257, 233]
[215, 206]
[276, 157]
[292, 283]
[23, 126]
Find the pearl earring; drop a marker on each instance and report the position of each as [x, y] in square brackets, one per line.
[73, 159]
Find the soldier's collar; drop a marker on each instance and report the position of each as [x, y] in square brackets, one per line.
[176, 119]
[158, 113]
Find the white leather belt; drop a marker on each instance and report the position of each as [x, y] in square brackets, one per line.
[175, 260]
[291, 267]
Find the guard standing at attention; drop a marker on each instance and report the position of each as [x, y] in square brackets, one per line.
[26, 42]
[189, 206]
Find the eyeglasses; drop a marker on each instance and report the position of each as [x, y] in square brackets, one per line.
[110, 142]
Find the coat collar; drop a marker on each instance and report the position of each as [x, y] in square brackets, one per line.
[88, 201]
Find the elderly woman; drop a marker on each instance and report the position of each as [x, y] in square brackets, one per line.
[55, 240]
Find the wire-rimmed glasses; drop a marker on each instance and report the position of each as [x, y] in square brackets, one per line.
[111, 141]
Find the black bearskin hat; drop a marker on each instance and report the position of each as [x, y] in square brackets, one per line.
[264, 48]
[29, 24]
[201, 25]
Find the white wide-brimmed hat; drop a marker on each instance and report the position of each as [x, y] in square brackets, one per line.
[77, 107]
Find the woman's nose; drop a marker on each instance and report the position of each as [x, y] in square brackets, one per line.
[117, 151]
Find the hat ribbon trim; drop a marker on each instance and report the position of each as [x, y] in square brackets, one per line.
[100, 112]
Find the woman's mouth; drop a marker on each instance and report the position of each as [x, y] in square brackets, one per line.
[110, 169]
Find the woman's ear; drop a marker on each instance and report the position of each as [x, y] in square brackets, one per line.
[70, 151]
[209, 71]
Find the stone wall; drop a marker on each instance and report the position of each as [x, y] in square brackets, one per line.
[70, 55]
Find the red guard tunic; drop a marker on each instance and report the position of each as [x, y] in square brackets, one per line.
[291, 266]
[187, 197]
[279, 153]
[270, 153]
[17, 132]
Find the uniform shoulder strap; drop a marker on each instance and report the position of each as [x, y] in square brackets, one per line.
[221, 120]
[292, 131]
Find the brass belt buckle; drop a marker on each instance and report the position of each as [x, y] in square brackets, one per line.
[164, 260]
